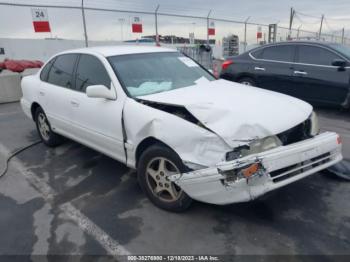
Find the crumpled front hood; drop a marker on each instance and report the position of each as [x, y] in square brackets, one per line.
[235, 112]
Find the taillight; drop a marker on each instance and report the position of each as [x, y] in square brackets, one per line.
[226, 64]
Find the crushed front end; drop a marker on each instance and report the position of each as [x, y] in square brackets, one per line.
[248, 177]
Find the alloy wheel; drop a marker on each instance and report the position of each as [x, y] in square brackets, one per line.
[44, 127]
[157, 176]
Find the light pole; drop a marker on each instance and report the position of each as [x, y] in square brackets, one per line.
[193, 35]
[121, 21]
[245, 33]
[298, 33]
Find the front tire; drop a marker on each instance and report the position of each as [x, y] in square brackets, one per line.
[155, 165]
[46, 134]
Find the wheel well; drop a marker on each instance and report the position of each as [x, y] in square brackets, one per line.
[146, 143]
[33, 108]
[245, 76]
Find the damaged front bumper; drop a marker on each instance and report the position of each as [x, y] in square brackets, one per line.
[247, 178]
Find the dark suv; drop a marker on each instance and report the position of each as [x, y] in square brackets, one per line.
[317, 72]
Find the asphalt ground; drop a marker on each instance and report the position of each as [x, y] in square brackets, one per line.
[74, 200]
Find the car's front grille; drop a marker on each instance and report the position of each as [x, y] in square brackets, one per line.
[296, 169]
[296, 134]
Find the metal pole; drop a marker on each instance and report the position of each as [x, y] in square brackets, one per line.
[342, 35]
[245, 33]
[208, 27]
[292, 13]
[156, 25]
[298, 32]
[320, 32]
[84, 24]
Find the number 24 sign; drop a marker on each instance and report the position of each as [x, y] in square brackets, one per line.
[40, 20]
[39, 14]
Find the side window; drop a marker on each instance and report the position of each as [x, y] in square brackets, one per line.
[283, 53]
[45, 71]
[315, 55]
[257, 53]
[91, 71]
[61, 73]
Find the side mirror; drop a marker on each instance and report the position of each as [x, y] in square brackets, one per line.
[339, 63]
[100, 91]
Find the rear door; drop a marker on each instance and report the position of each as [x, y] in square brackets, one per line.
[43, 88]
[272, 68]
[57, 89]
[316, 79]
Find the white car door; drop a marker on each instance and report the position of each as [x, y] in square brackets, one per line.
[97, 121]
[55, 92]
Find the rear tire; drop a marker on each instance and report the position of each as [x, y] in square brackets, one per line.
[155, 164]
[43, 126]
[247, 81]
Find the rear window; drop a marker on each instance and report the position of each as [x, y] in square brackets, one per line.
[282, 53]
[45, 71]
[61, 73]
[257, 53]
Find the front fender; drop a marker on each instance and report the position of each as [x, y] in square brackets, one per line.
[195, 145]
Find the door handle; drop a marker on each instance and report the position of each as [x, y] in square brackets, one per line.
[42, 93]
[259, 68]
[74, 103]
[302, 73]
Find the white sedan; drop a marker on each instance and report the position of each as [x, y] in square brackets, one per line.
[188, 135]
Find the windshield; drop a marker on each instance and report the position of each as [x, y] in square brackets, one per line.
[145, 74]
[341, 49]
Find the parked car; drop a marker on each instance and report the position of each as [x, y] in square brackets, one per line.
[188, 135]
[316, 72]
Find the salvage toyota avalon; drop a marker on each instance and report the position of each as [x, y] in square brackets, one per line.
[188, 135]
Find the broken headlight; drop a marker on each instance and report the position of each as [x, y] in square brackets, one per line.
[254, 147]
[315, 128]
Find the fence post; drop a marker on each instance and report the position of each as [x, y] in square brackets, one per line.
[245, 33]
[342, 35]
[320, 32]
[208, 27]
[84, 24]
[156, 24]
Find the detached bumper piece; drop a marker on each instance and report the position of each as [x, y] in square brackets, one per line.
[247, 178]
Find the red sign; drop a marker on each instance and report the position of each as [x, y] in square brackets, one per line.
[40, 20]
[137, 28]
[259, 35]
[211, 31]
[211, 28]
[41, 26]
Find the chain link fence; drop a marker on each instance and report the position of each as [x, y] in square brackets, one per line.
[187, 33]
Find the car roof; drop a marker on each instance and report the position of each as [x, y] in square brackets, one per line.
[312, 42]
[107, 51]
[298, 42]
